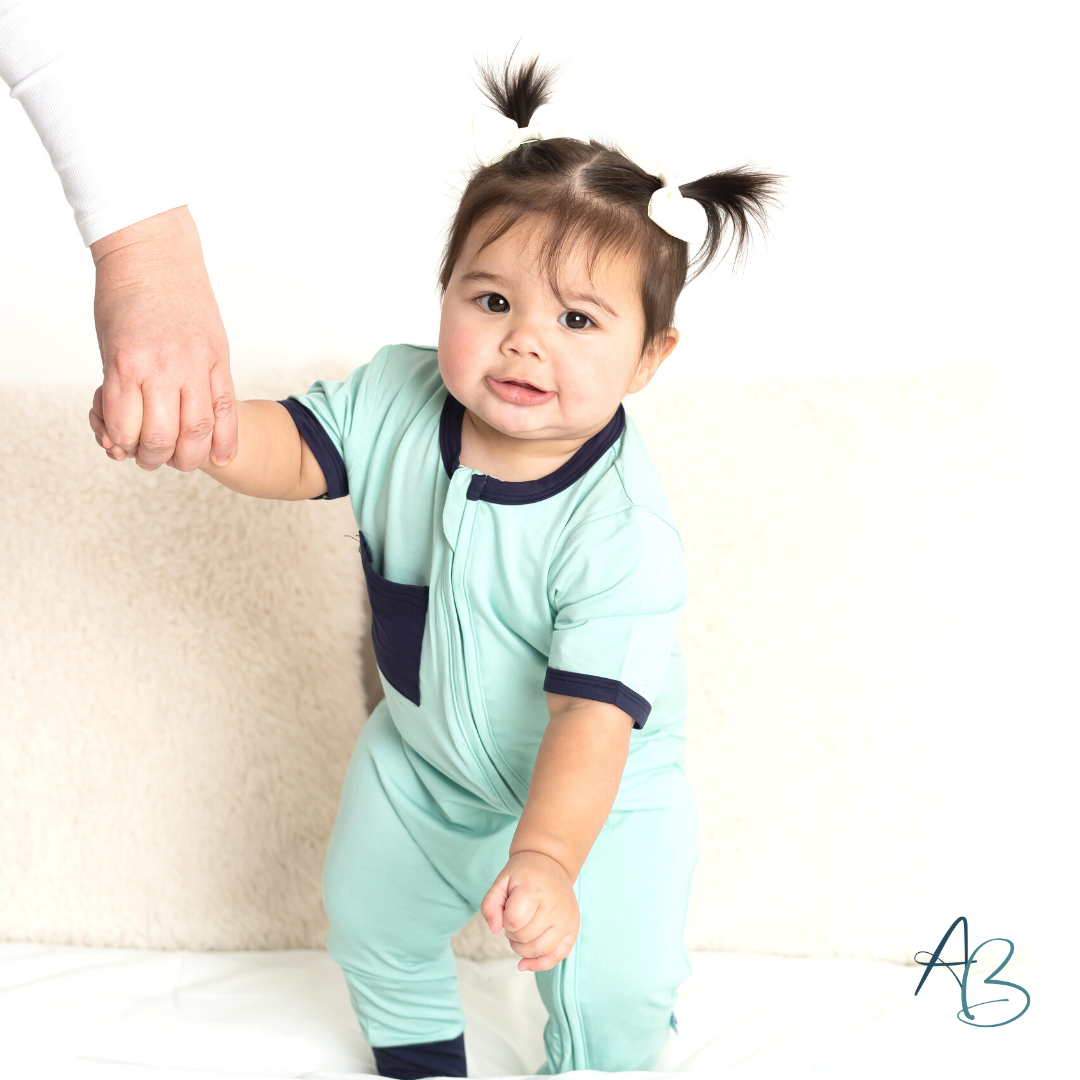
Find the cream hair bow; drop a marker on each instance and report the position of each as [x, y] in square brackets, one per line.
[682, 218]
[495, 135]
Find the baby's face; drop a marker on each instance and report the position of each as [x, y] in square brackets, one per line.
[529, 365]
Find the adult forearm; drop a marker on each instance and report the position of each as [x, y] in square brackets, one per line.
[575, 780]
[272, 460]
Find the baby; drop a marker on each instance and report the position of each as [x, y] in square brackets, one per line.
[525, 578]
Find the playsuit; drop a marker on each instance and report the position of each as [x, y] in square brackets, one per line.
[485, 594]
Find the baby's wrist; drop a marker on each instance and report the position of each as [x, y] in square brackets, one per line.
[516, 851]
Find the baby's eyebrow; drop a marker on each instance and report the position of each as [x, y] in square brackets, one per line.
[592, 298]
[483, 275]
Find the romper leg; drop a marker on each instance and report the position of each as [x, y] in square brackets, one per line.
[391, 912]
[610, 1001]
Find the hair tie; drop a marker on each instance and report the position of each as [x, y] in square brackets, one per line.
[495, 135]
[676, 215]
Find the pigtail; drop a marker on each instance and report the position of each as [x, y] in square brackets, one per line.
[734, 199]
[518, 93]
[591, 196]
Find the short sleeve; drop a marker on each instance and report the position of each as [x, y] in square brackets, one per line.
[331, 415]
[617, 587]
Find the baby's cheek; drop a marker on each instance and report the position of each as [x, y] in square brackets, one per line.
[587, 398]
[460, 357]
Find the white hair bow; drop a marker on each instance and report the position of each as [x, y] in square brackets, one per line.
[495, 135]
[681, 217]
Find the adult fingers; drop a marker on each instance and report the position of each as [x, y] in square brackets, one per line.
[97, 425]
[196, 426]
[160, 425]
[101, 432]
[223, 447]
[122, 411]
[97, 422]
[96, 409]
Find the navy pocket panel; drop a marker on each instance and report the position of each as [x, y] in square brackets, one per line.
[398, 613]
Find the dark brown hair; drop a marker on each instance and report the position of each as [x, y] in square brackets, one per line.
[589, 193]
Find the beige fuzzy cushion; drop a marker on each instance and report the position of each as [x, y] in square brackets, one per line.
[183, 674]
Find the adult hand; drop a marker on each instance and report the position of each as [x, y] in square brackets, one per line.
[167, 395]
[533, 900]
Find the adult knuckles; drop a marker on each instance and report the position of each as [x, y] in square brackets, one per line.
[156, 444]
[197, 430]
[133, 366]
[125, 438]
[224, 406]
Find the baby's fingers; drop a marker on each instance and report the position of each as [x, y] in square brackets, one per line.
[522, 916]
[491, 907]
[539, 945]
[549, 959]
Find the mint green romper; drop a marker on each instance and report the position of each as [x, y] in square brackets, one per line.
[484, 594]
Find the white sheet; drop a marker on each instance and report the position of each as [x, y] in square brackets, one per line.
[95, 1014]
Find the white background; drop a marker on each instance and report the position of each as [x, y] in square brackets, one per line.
[929, 148]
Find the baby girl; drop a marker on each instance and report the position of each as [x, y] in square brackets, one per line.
[525, 578]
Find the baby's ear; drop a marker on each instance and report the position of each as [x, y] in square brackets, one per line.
[652, 356]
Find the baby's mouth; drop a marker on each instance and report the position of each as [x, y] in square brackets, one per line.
[518, 391]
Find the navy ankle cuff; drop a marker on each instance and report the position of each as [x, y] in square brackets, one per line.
[445, 1058]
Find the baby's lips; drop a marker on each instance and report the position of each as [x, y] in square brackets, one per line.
[519, 393]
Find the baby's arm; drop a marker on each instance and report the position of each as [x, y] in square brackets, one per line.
[573, 786]
[272, 460]
[575, 780]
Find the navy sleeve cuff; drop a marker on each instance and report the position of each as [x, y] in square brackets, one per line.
[319, 443]
[610, 691]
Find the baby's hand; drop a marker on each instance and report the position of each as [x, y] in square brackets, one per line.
[533, 900]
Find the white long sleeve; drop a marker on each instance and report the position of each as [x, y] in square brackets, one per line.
[111, 162]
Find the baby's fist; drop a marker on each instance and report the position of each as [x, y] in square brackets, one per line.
[533, 900]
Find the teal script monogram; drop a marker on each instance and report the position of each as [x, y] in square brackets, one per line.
[965, 1014]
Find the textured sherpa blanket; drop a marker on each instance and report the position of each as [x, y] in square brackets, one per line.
[183, 673]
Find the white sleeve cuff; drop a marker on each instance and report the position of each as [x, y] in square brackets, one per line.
[112, 160]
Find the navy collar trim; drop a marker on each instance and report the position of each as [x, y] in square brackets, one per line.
[516, 493]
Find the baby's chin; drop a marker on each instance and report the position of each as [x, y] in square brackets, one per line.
[521, 421]
[535, 422]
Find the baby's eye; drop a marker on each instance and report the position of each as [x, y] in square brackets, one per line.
[575, 320]
[492, 301]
